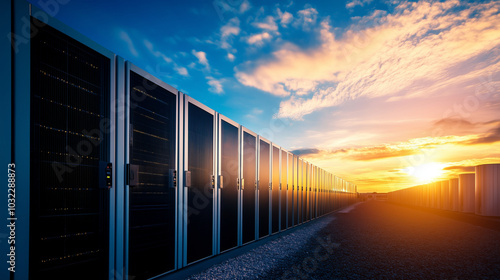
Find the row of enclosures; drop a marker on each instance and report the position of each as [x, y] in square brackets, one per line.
[477, 193]
[126, 177]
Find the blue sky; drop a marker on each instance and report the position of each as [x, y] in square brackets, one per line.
[359, 87]
[199, 46]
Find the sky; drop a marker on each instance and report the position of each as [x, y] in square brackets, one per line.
[385, 94]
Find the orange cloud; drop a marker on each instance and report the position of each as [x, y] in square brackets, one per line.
[385, 167]
[415, 51]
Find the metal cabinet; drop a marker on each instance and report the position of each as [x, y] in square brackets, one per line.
[275, 190]
[283, 189]
[71, 151]
[264, 185]
[152, 170]
[229, 183]
[249, 185]
[199, 180]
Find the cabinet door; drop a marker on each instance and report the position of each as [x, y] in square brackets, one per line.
[200, 194]
[283, 190]
[264, 165]
[70, 141]
[152, 147]
[229, 192]
[275, 190]
[249, 162]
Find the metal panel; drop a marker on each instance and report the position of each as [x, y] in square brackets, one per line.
[316, 192]
[300, 190]
[199, 129]
[439, 196]
[275, 193]
[445, 195]
[290, 187]
[249, 182]
[313, 192]
[263, 185]
[466, 192]
[488, 190]
[71, 101]
[310, 190]
[296, 190]
[152, 202]
[283, 190]
[454, 206]
[228, 189]
[307, 192]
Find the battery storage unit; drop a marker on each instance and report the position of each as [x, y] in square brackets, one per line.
[283, 189]
[275, 190]
[200, 180]
[70, 164]
[264, 186]
[121, 176]
[249, 186]
[290, 187]
[295, 190]
[152, 175]
[488, 190]
[466, 192]
[454, 203]
[229, 183]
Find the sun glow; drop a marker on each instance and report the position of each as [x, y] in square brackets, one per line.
[425, 173]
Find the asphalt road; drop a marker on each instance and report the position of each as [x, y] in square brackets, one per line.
[372, 240]
[380, 240]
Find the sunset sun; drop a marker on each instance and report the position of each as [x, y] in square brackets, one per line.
[425, 173]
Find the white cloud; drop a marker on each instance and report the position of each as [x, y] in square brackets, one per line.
[355, 3]
[227, 32]
[156, 53]
[257, 111]
[421, 49]
[306, 18]
[245, 6]
[215, 85]
[231, 28]
[254, 113]
[268, 24]
[284, 18]
[125, 37]
[222, 7]
[258, 39]
[181, 70]
[202, 58]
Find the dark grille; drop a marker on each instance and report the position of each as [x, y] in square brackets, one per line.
[152, 202]
[69, 212]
